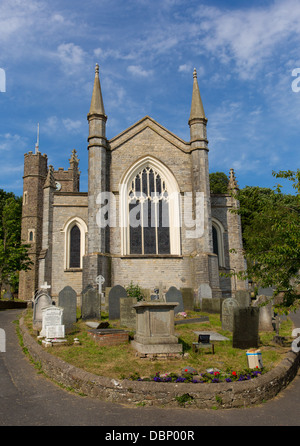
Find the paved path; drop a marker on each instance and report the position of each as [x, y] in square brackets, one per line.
[29, 399]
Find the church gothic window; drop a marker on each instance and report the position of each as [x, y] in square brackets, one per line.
[75, 231]
[149, 214]
[75, 258]
[150, 210]
[218, 242]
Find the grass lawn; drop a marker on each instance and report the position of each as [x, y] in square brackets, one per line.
[121, 361]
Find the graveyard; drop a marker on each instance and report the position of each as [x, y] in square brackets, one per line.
[116, 336]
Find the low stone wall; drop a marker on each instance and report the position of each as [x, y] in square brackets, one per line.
[222, 395]
[11, 305]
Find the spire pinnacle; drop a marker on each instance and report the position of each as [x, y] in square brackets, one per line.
[197, 110]
[97, 106]
[50, 180]
[232, 184]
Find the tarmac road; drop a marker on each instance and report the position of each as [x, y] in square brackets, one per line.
[30, 399]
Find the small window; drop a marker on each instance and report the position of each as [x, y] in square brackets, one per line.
[25, 198]
[31, 235]
[75, 247]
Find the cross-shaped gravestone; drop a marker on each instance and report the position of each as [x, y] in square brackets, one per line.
[45, 286]
[100, 281]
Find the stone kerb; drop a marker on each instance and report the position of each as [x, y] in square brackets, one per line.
[230, 395]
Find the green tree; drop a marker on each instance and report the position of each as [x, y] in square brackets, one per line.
[271, 236]
[218, 183]
[13, 254]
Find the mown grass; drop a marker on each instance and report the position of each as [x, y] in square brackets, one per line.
[121, 361]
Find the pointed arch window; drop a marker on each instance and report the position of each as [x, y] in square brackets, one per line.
[75, 231]
[150, 210]
[75, 255]
[218, 241]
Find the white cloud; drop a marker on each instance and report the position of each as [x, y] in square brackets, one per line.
[71, 56]
[185, 68]
[249, 36]
[72, 125]
[137, 70]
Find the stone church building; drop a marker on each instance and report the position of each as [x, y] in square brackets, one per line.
[148, 215]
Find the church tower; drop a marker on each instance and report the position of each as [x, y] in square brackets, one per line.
[96, 261]
[35, 173]
[206, 262]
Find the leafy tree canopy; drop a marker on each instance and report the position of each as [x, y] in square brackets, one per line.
[271, 234]
[218, 183]
[13, 254]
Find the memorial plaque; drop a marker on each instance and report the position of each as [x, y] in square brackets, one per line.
[55, 331]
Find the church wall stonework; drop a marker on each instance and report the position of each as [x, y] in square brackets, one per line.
[65, 207]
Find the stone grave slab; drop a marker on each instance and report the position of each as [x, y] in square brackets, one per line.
[188, 298]
[42, 300]
[228, 307]
[52, 316]
[243, 298]
[175, 295]
[67, 299]
[264, 303]
[245, 328]
[91, 304]
[127, 312]
[116, 293]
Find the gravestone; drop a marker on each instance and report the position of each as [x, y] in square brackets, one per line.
[228, 307]
[52, 322]
[245, 328]
[8, 295]
[212, 305]
[127, 312]
[67, 299]
[204, 291]
[188, 298]
[243, 298]
[155, 329]
[42, 300]
[265, 313]
[91, 304]
[115, 294]
[174, 295]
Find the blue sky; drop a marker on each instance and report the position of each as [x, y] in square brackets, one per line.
[244, 52]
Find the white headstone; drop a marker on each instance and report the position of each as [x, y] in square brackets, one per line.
[51, 316]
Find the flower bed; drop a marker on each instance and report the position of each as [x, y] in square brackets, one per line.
[211, 376]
